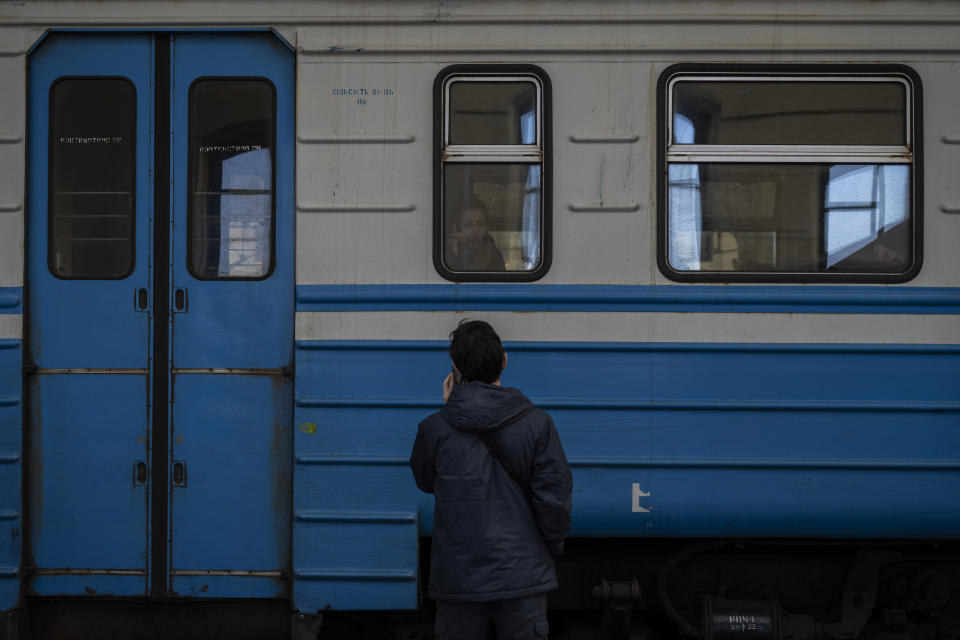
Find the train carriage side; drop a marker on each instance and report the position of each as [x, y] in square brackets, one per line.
[719, 248]
[735, 335]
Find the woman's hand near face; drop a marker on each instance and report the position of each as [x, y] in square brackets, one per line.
[454, 240]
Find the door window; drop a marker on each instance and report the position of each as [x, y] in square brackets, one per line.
[92, 169]
[231, 207]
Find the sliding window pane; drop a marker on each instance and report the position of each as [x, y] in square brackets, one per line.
[492, 217]
[789, 218]
[91, 180]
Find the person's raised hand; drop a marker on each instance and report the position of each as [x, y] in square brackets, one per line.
[454, 240]
[447, 386]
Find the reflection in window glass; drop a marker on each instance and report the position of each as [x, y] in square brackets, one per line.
[91, 180]
[863, 204]
[684, 195]
[492, 217]
[231, 180]
[787, 218]
[492, 113]
[792, 112]
[789, 173]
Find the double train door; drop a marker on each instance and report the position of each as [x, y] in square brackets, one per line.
[160, 315]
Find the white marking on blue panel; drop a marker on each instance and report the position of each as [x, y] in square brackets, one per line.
[637, 494]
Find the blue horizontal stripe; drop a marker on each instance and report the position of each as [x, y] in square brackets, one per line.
[662, 298]
[638, 462]
[638, 347]
[352, 460]
[9, 572]
[9, 402]
[9, 515]
[373, 403]
[356, 574]
[7, 343]
[646, 404]
[10, 299]
[767, 463]
[356, 515]
[9, 458]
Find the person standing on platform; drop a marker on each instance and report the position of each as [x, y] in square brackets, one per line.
[503, 493]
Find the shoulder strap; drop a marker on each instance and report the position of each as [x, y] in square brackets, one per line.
[487, 438]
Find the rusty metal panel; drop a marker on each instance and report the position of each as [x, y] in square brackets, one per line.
[230, 515]
[88, 434]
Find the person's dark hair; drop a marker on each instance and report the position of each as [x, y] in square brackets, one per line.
[476, 350]
[476, 204]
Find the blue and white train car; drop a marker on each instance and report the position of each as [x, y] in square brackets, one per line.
[718, 238]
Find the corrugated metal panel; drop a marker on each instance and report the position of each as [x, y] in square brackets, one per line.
[11, 421]
[683, 440]
[355, 529]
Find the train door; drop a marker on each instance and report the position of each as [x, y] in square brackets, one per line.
[89, 297]
[232, 303]
[160, 315]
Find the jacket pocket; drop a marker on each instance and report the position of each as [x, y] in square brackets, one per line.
[542, 628]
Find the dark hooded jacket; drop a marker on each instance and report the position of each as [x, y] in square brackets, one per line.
[488, 544]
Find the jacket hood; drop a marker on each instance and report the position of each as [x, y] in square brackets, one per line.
[477, 406]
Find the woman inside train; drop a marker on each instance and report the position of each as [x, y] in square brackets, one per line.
[469, 245]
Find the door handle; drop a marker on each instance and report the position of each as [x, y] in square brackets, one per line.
[179, 473]
[142, 299]
[180, 300]
[139, 473]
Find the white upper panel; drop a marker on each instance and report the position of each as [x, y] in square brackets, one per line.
[750, 328]
[12, 156]
[365, 169]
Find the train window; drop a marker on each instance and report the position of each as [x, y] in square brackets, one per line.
[231, 205]
[91, 177]
[491, 207]
[789, 175]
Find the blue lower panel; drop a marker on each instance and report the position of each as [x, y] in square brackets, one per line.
[87, 433]
[692, 440]
[355, 533]
[232, 433]
[11, 421]
[765, 503]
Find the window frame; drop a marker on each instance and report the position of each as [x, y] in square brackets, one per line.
[190, 185]
[539, 154]
[133, 168]
[791, 154]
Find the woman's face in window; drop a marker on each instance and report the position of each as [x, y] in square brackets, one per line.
[474, 223]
